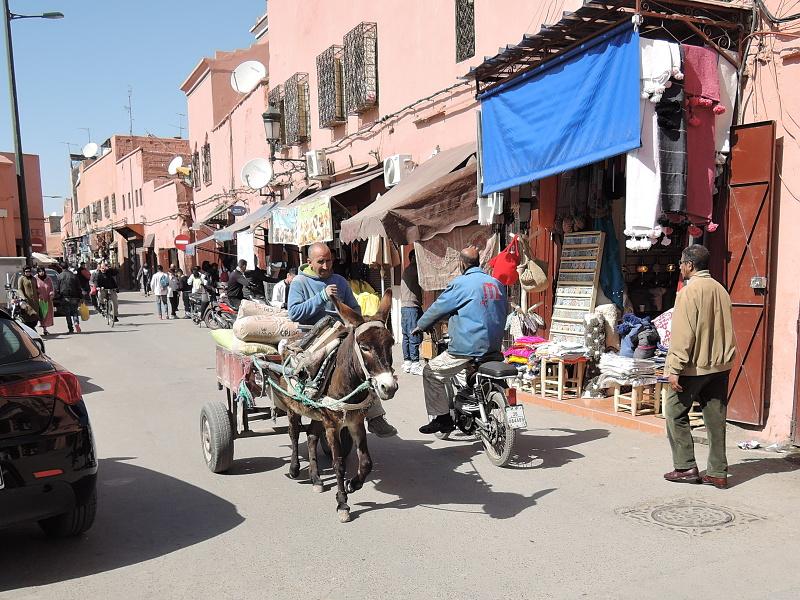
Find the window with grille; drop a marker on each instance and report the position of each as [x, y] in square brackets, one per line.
[206, 158]
[297, 110]
[275, 100]
[329, 85]
[105, 208]
[113, 204]
[123, 201]
[136, 197]
[196, 169]
[465, 29]
[361, 68]
[141, 198]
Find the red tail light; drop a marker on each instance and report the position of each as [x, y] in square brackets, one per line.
[63, 385]
[511, 396]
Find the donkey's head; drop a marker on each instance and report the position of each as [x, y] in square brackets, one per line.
[373, 342]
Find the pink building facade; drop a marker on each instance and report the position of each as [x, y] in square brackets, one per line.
[122, 213]
[225, 131]
[10, 229]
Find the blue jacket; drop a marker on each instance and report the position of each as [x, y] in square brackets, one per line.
[308, 302]
[477, 306]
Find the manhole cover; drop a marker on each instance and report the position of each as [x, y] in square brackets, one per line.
[688, 515]
[691, 516]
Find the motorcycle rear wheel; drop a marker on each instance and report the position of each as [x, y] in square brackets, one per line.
[499, 446]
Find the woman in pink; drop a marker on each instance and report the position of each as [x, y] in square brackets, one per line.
[46, 295]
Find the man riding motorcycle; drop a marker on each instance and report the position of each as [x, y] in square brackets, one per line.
[310, 301]
[476, 305]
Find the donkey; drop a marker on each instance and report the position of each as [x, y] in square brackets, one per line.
[365, 354]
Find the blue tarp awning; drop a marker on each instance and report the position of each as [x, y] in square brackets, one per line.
[573, 110]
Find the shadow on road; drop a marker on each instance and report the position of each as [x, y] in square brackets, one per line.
[535, 451]
[86, 386]
[750, 468]
[141, 515]
[440, 477]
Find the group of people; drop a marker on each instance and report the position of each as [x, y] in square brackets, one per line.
[475, 304]
[72, 286]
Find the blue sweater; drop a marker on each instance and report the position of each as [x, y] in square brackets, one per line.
[477, 306]
[308, 302]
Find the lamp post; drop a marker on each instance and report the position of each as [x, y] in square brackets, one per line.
[272, 131]
[12, 88]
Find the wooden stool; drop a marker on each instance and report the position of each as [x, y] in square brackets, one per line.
[560, 384]
[632, 401]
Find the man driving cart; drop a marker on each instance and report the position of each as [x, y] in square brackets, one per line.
[310, 300]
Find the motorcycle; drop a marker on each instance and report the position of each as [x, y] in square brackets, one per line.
[484, 406]
[219, 314]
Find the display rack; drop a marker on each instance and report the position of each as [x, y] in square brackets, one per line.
[576, 290]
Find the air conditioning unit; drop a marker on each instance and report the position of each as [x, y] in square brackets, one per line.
[395, 168]
[316, 164]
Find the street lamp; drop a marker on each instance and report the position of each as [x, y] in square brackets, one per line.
[272, 131]
[12, 86]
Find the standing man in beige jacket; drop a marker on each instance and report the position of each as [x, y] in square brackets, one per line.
[700, 358]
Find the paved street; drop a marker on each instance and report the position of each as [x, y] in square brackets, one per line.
[436, 519]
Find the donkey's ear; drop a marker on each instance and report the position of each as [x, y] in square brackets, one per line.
[385, 308]
[349, 316]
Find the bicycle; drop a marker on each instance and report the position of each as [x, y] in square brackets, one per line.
[106, 307]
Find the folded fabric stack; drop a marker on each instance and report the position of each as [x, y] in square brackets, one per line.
[626, 371]
[567, 351]
[523, 349]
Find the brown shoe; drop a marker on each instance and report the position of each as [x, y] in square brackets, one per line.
[683, 476]
[718, 482]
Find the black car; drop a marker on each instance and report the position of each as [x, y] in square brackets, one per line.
[48, 464]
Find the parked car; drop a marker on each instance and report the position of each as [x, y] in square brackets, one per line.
[48, 464]
[53, 275]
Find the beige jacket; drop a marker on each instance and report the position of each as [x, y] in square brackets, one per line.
[701, 342]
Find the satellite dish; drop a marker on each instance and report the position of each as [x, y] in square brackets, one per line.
[247, 75]
[257, 173]
[90, 150]
[174, 164]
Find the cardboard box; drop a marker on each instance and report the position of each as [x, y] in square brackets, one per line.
[426, 348]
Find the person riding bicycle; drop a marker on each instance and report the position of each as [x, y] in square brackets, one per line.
[310, 300]
[477, 306]
[107, 287]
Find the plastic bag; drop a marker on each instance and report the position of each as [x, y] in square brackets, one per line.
[84, 311]
[504, 265]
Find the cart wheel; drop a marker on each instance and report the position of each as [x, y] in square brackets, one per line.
[216, 435]
[345, 441]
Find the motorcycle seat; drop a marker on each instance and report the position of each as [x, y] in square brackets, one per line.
[497, 370]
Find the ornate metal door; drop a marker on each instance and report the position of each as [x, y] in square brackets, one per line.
[748, 232]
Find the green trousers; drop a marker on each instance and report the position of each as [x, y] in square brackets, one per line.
[711, 392]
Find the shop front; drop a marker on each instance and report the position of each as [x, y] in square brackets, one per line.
[630, 140]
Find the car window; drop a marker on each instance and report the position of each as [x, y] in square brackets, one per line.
[15, 344]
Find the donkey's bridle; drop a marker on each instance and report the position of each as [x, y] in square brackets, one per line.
[360, 355]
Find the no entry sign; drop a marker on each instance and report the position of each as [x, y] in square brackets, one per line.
[181, 241]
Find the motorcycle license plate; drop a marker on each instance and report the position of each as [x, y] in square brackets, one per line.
[516, 417]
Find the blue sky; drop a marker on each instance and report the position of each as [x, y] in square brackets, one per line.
[75, 72]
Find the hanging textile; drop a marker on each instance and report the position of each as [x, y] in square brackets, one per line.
[702, 99]
[575, 109]
[661, 61]
[438, 261]
[672, 146]
[611, 281]
[643, 185]
[728, 86]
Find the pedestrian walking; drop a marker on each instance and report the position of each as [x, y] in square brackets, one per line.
[46, 296]
[410, 312]
[186, 290]
[69, 287]
[159, 285]
[174, 292]
[29, 292]
[698, 363]
[83, 277]
[143, 278]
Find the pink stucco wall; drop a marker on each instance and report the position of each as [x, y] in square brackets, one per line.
[774, 94]
[229, 121]
[10, 229]
[416, 57]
